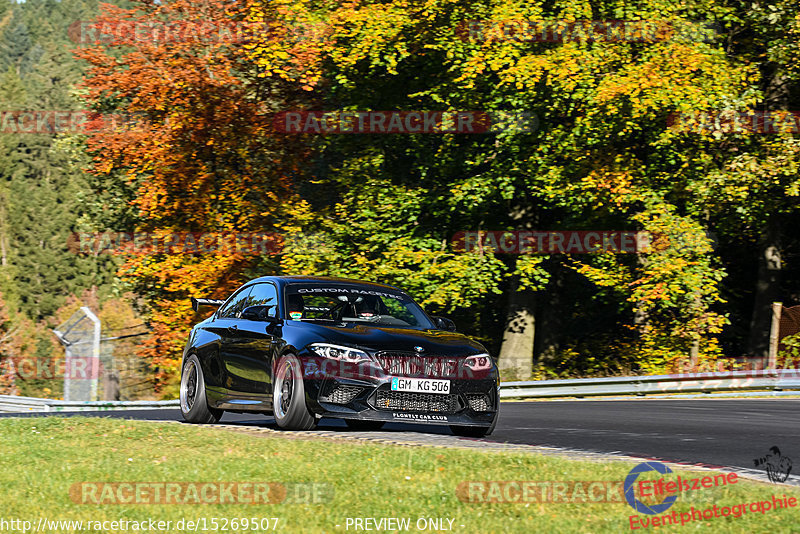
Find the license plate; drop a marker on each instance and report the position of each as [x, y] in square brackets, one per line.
[421, 385]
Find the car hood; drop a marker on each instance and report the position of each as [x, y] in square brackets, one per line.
[386, 338]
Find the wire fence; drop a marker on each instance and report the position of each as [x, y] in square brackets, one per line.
[98, 367]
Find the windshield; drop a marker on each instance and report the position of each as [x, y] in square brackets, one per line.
[342, 302]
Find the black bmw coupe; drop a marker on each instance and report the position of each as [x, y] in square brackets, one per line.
[303, 348]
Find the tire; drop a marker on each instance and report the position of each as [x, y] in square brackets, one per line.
[364, 425]
[289, 396]
[194, 404]
[473, 431]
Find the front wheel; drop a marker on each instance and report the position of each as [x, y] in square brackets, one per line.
[289, 396]
[194, 405]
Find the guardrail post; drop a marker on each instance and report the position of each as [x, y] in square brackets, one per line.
[95, 359]
[774, 335]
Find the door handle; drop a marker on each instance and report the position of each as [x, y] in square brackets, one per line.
[233, 329]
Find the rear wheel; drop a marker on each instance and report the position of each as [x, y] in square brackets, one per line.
[360, 424]
[289, 396]
[194, 405]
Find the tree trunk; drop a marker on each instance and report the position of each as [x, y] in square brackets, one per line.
[767, 291]
[553, 316]
[111, 389]
[516, 352]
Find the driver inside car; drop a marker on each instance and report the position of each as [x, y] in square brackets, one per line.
[369, 306]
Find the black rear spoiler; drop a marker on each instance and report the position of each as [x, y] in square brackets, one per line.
[196, 303]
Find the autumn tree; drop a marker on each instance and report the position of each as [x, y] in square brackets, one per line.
[602, 156]
[196, 155]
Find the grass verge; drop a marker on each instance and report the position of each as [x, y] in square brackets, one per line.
[43, 458]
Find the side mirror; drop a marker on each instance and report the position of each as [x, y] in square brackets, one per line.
[258, 313]
[443, 323]
[196, 303]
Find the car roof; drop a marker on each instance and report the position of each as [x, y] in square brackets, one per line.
[283, 280]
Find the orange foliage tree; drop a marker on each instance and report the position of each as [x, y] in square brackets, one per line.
[195, 154]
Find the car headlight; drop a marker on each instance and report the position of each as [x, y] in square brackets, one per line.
[340, 353]
[479, 362]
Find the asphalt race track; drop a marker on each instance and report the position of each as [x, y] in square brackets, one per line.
[729, 433]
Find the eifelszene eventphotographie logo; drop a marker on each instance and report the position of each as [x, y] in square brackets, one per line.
[630, 483]
[653, 497]
[775, 464]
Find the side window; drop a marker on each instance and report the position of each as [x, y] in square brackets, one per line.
[234, 305]
[264, 295]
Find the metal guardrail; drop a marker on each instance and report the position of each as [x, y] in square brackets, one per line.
[11, 403]
[729, 381]
[736, 381]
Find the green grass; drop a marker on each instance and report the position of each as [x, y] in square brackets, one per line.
[43, 457]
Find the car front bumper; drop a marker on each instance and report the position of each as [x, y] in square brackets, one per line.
[469, 403]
